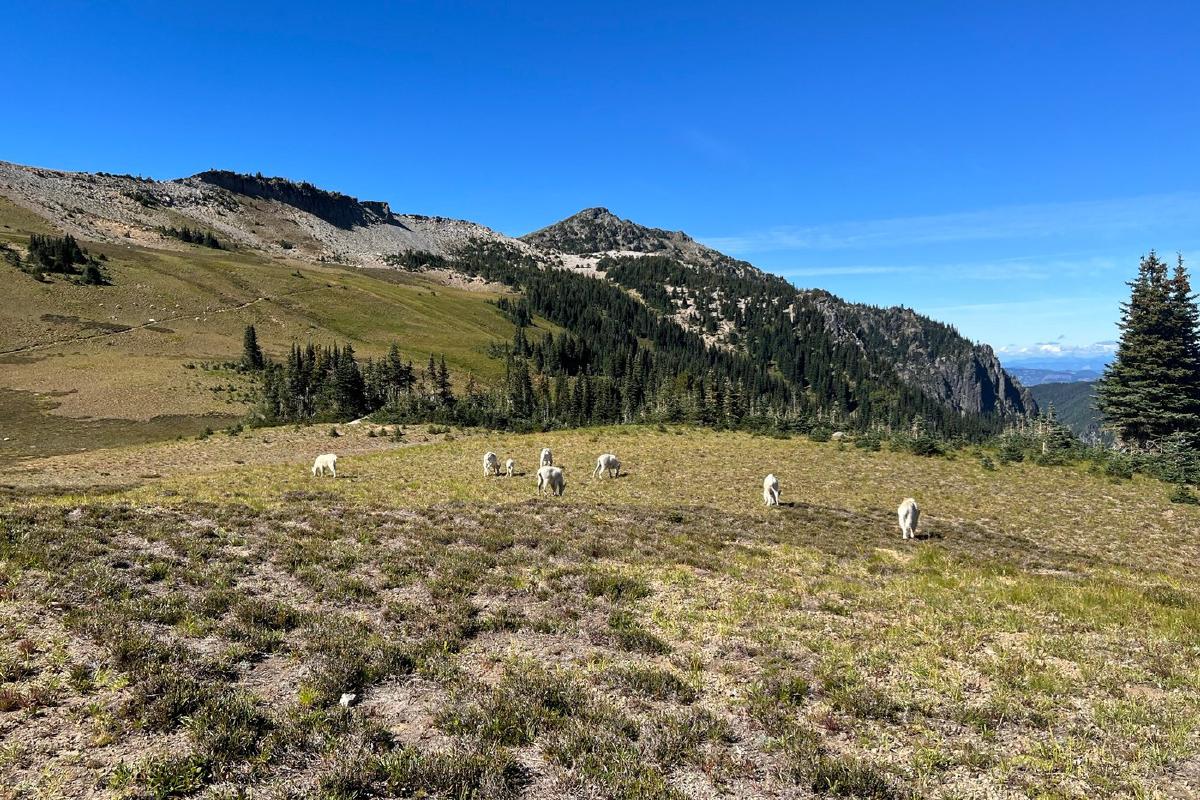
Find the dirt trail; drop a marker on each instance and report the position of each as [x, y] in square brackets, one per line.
[105, 334]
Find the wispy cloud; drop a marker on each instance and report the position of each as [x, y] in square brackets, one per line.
[1099, 218]
[1051, 306]
[1025, 268]
[809, 272]
[1057, 350]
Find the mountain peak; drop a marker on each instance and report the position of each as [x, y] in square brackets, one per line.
[597, 230]
[596, 212]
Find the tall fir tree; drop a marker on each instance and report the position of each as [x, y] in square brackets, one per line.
[520, 389]
[252, 355]
[1187, 325]
[1150, 390]
[444, 391]
[348, 384]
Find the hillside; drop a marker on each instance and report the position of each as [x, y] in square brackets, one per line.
[1074, 403]
[652, 323]
[273, 216]
[731, 303]
[195, 625]
[139, 360]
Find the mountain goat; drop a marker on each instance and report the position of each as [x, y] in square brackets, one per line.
[546, 459]
[326, 462]
[771, 490]
[510, 466]
[607, 463]
[551, 478]
[909, 514]
[491, 464]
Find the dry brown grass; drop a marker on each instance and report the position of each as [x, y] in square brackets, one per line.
[658, 635]
[119, 352]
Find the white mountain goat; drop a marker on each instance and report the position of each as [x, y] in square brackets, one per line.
[324, 463]
[510, 466]
[771, 490]
[909, 514]
[546, 459]
[551, 478]
[491, 464]
[607, 463]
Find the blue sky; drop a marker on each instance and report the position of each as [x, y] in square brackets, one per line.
[1000, 166]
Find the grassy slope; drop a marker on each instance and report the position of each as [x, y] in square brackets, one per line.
[201, 300]
[657, 635]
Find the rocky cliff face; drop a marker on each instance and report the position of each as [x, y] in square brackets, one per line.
[335, 208]
[973, 383]
[929, 355]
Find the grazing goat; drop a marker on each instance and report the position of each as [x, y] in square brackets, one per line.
[491, 464]
[546, 459]
[551, 478]
[909, 514]
[326, 462]
[771, 490]
[510, 466]
[607, 463]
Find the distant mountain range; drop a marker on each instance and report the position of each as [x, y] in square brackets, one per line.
[1033, 376]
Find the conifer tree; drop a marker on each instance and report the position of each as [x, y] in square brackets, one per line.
[92, 276]
[348, 388]
[1054, 435]
[520, 389]
[431, 378]
[1149, 391]
[445, 395]
[252, 355]
[1187, 326]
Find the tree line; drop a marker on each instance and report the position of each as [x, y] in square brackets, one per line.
[60, 255]
[328, 383]
[785, 357]
[550, 380]
[621, 360]
[192, 236]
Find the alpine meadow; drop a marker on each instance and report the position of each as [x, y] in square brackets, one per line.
[308, 498]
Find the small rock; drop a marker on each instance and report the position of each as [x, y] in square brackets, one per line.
[347, 699]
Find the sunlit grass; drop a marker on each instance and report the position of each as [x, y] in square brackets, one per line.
[1018, 650]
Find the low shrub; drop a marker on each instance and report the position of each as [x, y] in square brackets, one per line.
[652, 682]
[627, 633]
